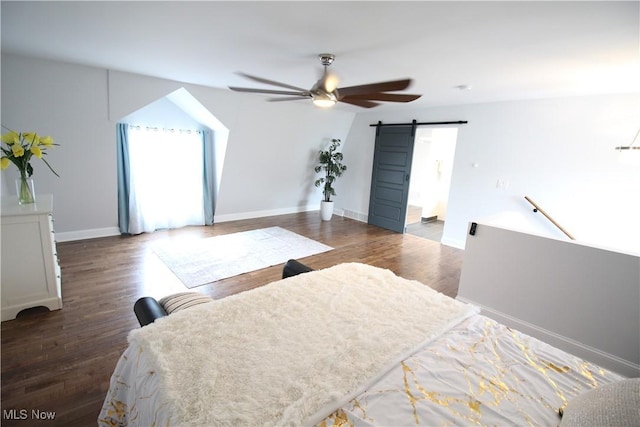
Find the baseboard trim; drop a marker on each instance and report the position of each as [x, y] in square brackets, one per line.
[265, 213]
[453, 243]
[594, 355]
[70, 236]
[95, 233]
[355, 215]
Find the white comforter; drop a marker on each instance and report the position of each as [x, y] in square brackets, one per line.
[476, 372]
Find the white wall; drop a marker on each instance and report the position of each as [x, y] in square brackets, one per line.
[162, 114]
[270, 153]
[577, 297]
[559, 152]
[70, 104]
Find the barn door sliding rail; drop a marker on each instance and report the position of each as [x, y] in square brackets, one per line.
[537, 208]
[414, 123]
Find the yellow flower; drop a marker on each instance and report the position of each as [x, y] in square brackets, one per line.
[21, 147]
[36, 151]
[31, 138]
[17, 150]
[46, 140]
[10, 138]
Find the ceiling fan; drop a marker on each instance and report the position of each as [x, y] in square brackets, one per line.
[325, 92]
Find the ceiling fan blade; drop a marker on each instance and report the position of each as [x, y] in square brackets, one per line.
[391, 97]
[271, 82]
[374, 87]
[288, 98]
[360, 102]
[273, 92]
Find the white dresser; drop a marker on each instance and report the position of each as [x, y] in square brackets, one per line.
[30, 275]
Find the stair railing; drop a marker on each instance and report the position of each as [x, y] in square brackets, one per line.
[537, 208]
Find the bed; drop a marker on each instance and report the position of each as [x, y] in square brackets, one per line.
[351, 345]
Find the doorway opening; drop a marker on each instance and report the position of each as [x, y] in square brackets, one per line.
[430, 182]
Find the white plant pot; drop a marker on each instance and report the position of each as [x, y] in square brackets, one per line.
[326, 210]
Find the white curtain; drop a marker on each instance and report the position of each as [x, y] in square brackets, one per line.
[166, 188]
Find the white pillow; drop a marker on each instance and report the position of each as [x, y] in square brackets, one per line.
[182, 300]
[616, 404]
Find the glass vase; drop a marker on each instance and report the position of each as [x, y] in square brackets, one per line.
[25, 190]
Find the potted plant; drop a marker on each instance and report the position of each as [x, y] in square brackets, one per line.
[330, 161]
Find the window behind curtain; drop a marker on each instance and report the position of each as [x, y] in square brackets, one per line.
[166, 170]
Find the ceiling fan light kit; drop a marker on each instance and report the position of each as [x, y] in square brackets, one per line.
[324, 100]
[325, 92]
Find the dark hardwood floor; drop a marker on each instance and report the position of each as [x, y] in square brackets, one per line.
[61, 361]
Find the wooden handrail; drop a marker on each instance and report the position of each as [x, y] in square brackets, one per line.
[538, 208]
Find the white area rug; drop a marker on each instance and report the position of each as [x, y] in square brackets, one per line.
[198, 262]
[293, 351]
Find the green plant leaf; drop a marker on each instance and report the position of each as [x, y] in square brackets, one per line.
[330, 162]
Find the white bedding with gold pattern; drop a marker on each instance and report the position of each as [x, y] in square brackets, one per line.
[476, 372]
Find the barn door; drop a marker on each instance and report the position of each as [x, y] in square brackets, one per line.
[390, 177]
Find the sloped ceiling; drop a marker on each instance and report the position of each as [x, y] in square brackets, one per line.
[503, 50]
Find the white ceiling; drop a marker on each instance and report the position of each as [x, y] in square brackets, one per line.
[503, 50]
